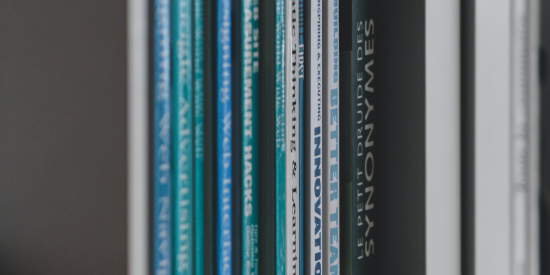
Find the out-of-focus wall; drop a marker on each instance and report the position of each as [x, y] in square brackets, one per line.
[63, 137]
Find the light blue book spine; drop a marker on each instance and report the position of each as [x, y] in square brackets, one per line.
[280, 211]
[198, 103]
[182, 129]
[162, 245]
[249, 117]
[223, 139]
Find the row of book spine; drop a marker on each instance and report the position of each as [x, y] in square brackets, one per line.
[247, 140]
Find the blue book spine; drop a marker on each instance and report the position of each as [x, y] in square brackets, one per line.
[198, 104]
[280, 211]
[223, 67]
[182, 129]
[161, 141]
[249, 134]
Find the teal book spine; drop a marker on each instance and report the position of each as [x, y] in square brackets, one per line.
[280, 211]
[249, 134]
[182, 77]
[198, 161]
[162, 175]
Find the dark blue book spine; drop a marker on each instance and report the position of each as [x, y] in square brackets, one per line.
[223, 67]
[161, 127]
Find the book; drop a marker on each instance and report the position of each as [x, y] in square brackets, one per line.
[224, 138]
[139, 146]
[269, 202]
[313, 138]
[162, 232]
[331, 138]
[294, 89]
[357, 128]
[525, 137]
[209, 130]
[182, 137]
[280, 191]
[249, 134]
[198, 141]
[544, 138]
[236, 136]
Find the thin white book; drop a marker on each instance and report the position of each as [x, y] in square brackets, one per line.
[331, 138]
[293, 84]
[314, 99]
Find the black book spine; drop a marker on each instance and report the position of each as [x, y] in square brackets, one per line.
[544, 71]
[358, 149]
[266, 152]
[209, 137]
[363, 119]
[236, 151]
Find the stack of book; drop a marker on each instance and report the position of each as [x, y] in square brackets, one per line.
[265, 137]
[247, 139]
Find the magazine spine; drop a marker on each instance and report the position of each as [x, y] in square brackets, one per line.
[224, 140]
[332, 136]
[182, 130]
[161, 131]
[249, 134]
[281, 234]
[198, 135]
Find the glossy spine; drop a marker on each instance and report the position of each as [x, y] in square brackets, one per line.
[198, 138]
[249, 122]
[280, 224]
[161, 139]
[223, 140]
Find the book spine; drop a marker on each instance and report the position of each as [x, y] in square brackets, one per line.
[293, 141]
[301, 63]
[363, 116]
[331, 124]
[249, 122]
[314, 126]
[161, 131]
[198, 135]
[182, 129]
[280, 224]
[224, 142]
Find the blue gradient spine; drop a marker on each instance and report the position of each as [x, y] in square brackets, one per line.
[223, 140]
[198, 104]
[182, 129]
[162, 249]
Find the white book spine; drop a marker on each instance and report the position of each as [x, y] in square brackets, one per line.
[332, 154]
[316, 138]
[292, 137]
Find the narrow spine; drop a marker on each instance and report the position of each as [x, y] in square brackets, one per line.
[249, 122]
[363, 135]
[314, 138]
[301, 53]
[224, 141]
[331, 132]
[198, 138]
[161, 130]
[280, 231]
[182, 135]
[293, 141]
